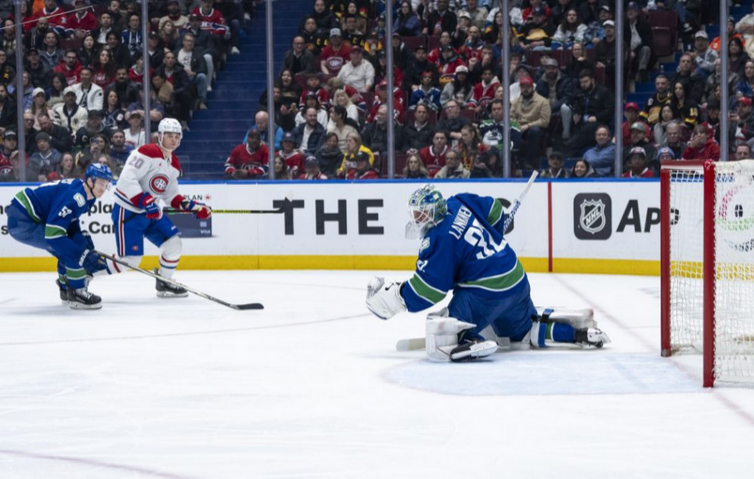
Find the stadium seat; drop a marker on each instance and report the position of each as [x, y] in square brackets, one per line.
[470, 114]
[433, 41]
[368, 99]
[665, 31]
[413, 42]
[663, 43]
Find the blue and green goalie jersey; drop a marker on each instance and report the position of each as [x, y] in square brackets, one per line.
[58, 206]
[465, 250]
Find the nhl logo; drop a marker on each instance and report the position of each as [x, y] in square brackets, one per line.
[592, 216]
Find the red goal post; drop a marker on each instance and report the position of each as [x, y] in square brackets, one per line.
[707, 266]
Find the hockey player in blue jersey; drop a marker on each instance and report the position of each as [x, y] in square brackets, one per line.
[463, 250]
[47, 217]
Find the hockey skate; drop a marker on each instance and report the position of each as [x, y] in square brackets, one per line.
[471, 350]
[167, 290]
[591, 337]
[63, 292]
[82, 299]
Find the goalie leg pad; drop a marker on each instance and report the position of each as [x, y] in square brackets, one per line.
[578, 318]
[442, 341]
[384, 298]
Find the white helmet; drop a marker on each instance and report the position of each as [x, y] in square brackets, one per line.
[169, 125]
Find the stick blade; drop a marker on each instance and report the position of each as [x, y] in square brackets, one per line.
[244, 307]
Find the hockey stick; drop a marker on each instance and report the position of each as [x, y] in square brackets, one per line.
[177, 211]
[238, 307]
[413, 344]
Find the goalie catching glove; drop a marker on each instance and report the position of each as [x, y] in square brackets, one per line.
[384, 298]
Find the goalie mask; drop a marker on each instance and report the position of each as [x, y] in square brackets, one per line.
[426, 207]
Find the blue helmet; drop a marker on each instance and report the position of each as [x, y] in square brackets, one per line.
[426, 207]
[99, 170]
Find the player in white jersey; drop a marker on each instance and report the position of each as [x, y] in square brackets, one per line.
[151, 174]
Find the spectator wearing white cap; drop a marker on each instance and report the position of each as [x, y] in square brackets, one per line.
[69, 114]
[704, 57]
[39, 106]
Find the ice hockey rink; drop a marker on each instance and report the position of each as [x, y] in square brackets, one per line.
[312, 387]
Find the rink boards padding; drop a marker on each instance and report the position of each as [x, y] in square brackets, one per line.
[588, 226]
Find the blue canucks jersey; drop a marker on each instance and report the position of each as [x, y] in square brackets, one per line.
[58, 206]
[465, 250]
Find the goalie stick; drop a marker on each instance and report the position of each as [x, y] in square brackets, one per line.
[238, 307]
[413, 344]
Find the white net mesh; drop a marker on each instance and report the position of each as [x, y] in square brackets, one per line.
[686, 253]
[734, 285]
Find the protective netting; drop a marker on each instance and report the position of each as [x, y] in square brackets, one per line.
[734, 285]
[686, 253]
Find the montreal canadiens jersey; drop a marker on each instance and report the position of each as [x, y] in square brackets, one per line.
[147, 171]
[465, 250]
[58, 206]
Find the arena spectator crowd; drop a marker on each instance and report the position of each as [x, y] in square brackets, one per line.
[331, 92]
[83, 91]
[83, 78]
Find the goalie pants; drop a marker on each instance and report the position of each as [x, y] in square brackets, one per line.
[27, 231]
[509, 312]
[131, 229]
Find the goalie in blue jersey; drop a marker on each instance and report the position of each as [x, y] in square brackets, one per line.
[47, 217]
[463, 250]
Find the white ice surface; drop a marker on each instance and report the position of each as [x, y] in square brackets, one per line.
[312, 387]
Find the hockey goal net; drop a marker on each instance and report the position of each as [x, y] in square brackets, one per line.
[707, 266]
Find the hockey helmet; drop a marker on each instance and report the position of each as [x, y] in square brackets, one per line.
[170, 125]
[99, 170]
[426, 207]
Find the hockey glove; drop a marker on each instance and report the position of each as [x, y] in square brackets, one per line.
[149, 204]
[200, 210]
[92, 262]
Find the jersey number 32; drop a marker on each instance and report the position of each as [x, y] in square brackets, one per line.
[479, 237]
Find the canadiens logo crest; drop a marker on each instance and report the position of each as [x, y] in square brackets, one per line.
[159, 184]
[592, 216]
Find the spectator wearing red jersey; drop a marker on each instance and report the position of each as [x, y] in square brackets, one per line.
[56, 16]
[212, 20]
[449, 63]
[82, 21]
[362, 169]
[334, 55]
[314, 86]
[701, 146]
[311, 170]
[381, 99]
[526, 13]
[434, 56]
[638, 164]
[70, 67]
[433, 156]
[484, 91]
[292, 157]
[248, 161]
